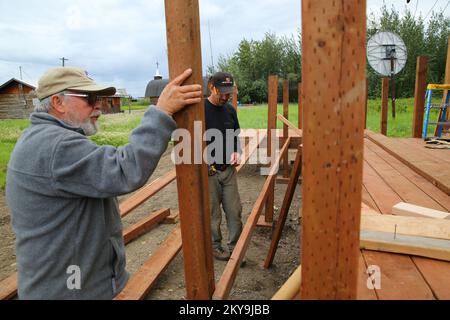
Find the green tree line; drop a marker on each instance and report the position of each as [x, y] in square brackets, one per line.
[255, 60]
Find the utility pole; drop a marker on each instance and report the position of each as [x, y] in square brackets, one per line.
[63, 61]
[210, 46]
[20, 70]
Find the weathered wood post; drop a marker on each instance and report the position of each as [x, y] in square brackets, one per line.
[419, 96]
[183, 41]
[334, 55]
[384, 105]
[285, 127]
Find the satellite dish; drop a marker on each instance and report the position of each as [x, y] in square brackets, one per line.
[386, 53]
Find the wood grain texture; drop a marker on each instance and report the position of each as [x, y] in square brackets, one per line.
[333, 73]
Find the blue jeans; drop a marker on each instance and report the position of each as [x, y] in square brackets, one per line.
[223, 190]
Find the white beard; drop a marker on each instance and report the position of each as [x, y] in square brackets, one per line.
[88, 127]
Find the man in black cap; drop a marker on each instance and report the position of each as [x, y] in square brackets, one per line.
[222, 127]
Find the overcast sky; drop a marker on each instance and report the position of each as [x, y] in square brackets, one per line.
[120, 41]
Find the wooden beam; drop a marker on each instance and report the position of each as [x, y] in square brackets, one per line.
[226, 281]
[291, 287]
[384, 105]
[142, 281]
[276, 234]
[367, 101]
[446, 81]
[271, 126]
[8, 287]
[145, 193]
[235, 99]
[173, 218]
[249, 150]
[184, 51]
[334, 64]
[413, 245]
[419, 95]
[411, 226]
[143, 226]
[411, 210]
[285, 127]
[290, 125]
[300, 109]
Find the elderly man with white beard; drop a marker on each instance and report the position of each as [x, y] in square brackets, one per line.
[61, 187]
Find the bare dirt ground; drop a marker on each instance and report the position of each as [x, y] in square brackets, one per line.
[253, 282]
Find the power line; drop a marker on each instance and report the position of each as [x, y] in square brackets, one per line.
[448, 2]
[430, 10]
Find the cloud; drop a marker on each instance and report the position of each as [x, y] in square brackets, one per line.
[120, 41]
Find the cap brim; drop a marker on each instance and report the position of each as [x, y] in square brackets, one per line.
[100, 90]
[226, 90]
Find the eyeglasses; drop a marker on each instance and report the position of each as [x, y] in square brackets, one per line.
[92, 99]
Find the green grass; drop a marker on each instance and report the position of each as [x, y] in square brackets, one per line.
[116, 128]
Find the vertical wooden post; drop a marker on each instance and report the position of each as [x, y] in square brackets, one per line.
[334, 42]
[447, 74]
[285, 127]
[300, 110]
[271, 126]
[419, 96]
[184, 48]
[235, 98]
[384, 105]
[367, 101]
[446, 81]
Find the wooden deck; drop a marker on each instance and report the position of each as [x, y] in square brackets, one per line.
[395, 170]
[402, 170]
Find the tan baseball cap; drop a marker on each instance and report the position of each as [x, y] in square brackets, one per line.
[59, 79]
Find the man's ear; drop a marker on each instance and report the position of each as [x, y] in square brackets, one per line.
[57, 104]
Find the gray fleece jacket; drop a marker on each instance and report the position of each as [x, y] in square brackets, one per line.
[61, 190]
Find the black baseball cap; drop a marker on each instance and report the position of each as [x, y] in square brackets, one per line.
[224, 82]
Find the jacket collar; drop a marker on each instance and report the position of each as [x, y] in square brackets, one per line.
[39, 118]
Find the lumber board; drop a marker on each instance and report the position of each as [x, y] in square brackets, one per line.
[300, 110]
[367, 199]
[286, 122]
[429, 168]
[289, 194]
[419, 95]
[420, 146]
[333, 49]
[145, 193]
[363, 291]
[408, 209]
[384, 105]
[142, 281]
[271, 128]
[226, 281]
[285, 127]
[173, 218]
[431, 190]
[8, 287]
[144, 225]
[414, 226]
[184, 51]
[404, 244]
[291, 287]
[407, 190]
[400, 278]
[436, 273]
[383, 195]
